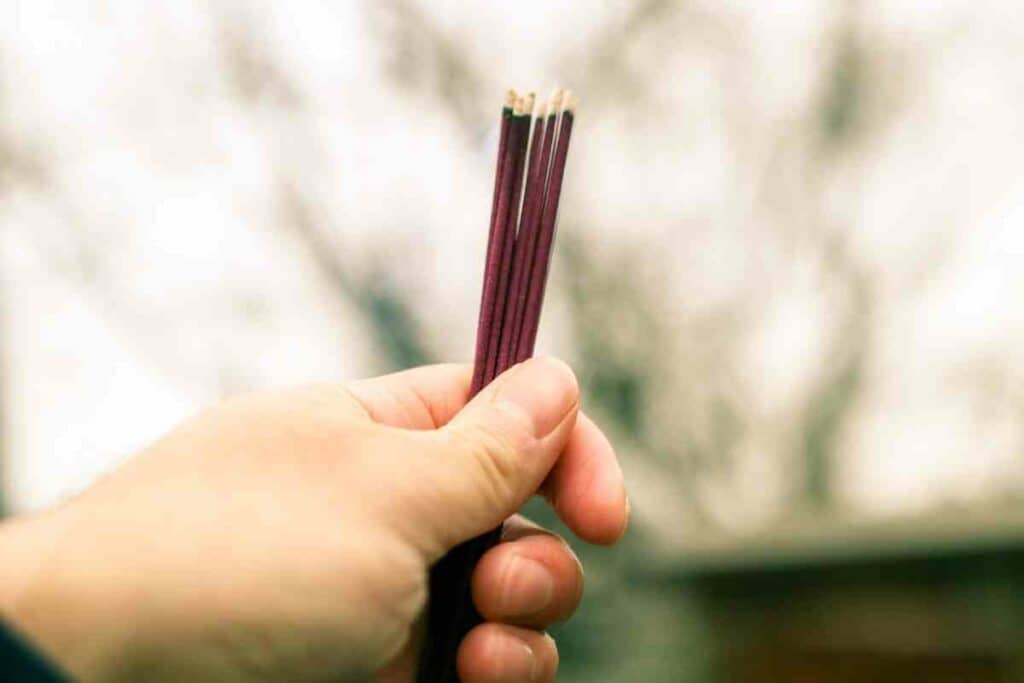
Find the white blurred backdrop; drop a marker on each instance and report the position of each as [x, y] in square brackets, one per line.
[789, 271]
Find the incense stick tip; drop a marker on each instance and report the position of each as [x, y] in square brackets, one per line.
[569, 101]
[554, 100]
[510, 98]
[517, 109]
[528, 100]
[540, 109]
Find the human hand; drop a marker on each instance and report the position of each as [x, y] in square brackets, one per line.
[288, 536]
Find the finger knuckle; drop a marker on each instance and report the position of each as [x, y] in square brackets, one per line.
[496, 461]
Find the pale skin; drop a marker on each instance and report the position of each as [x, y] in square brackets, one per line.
[289, 535]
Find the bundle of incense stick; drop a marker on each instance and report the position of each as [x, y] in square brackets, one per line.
[532, 149]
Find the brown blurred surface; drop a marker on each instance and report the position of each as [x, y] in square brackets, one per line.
[794, 666]
[923, 602]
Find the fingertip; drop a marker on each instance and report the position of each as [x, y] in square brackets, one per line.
[492, 653]
[559, 369]
[498, 653]
[543, 391]
[535, 580]
[586, 486]
[616, 524]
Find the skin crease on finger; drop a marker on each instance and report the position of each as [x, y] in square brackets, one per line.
[283, 561]
[498, 653]
[533, 579]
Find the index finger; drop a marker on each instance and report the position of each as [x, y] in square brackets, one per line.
[426, 397]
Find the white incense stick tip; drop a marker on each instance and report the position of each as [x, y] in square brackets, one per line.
[554, 101]
[517, 109]
[540, 110]
[569, 101]
[510, 99]
[528, 103]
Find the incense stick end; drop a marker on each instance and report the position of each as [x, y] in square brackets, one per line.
[510, 98]
[554, 100]
[540, 110]
[569, 101]
[528, 101]
[517, 109]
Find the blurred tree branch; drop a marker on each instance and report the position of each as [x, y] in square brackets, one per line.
[20, 165]
[258, 80]
[421, 59]
[393, 327]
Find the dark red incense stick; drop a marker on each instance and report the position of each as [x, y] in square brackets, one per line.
[546, 236]
[520, 134]
[495, 242]
[523, 215]
[522, 255]
[527, 243]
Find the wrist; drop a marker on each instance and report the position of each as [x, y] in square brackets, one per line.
[23, 549]
[44, 603]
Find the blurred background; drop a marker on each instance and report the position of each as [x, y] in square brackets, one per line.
[787, 275]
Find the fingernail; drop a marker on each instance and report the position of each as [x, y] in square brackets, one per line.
[519, 662]
[541, 390]
[625, 520]
[527, 588]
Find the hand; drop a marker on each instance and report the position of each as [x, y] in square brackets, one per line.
[288, 536]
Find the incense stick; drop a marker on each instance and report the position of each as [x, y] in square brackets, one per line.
[526, 238]
[524, 211]
[493, 254]
[546, 236]
[520, 132]
[532, 228]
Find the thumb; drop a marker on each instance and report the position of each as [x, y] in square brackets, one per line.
[494, 454]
